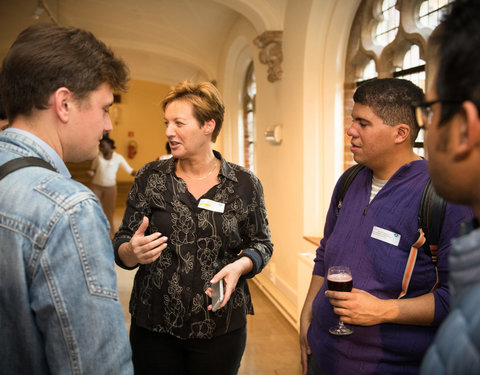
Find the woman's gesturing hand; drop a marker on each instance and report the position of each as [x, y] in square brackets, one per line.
[143, 249]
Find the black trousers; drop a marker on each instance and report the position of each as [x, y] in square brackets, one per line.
[164, 354]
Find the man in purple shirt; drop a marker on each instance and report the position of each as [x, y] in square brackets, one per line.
[399, 297]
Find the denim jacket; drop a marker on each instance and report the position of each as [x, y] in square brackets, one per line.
[59, 306]
[456, 349]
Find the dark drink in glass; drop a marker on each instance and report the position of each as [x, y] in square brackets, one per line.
[339, 279]
[340, 282]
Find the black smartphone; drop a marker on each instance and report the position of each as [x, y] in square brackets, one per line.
[217, 295]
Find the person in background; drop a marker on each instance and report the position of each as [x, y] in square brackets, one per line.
[104, 172]
[168, 155]
[60, 312]
[192, 221]
[394, 318]
[451, 115]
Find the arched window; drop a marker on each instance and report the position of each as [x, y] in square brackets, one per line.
[369, 72]
[387, 27]
[430, 12]
[388, 38]
[249, 93]
[413, 69]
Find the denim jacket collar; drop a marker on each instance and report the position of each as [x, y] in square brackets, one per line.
[57, 160]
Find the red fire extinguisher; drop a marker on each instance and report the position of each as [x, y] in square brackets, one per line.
[132, 149]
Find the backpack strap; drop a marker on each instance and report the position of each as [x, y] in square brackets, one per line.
[344, 183]
[412, 258]
[18, 163]
[430, 220]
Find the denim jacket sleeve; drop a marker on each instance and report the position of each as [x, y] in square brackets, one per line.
[74, 293]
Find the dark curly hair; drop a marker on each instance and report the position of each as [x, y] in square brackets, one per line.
[456, 45]
[109, 140]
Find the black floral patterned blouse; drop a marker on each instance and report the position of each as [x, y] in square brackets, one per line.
[169, 294]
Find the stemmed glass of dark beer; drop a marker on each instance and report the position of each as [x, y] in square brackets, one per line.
[339, 278]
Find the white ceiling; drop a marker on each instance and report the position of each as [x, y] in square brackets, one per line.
[161, 40]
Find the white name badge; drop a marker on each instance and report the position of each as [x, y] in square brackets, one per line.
[386, 236]
[210, 205]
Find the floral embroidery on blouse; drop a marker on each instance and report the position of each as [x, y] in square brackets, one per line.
[169, 294]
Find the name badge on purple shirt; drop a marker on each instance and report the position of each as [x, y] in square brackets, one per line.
[386, 236]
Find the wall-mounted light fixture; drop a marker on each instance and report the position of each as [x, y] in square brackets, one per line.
[38, 12]
[43, 7]
[274, 135]
[115, 114]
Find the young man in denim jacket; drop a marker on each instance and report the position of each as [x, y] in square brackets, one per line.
[60, 311]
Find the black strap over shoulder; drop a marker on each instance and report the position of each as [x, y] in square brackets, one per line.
[344, 183]
[18, 163]
[430, 216]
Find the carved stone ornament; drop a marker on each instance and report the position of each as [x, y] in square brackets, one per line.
[270, 44]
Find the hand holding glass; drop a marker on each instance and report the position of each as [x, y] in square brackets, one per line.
[339, 279]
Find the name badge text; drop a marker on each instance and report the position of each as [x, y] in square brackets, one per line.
[210, 205]
[386, 236]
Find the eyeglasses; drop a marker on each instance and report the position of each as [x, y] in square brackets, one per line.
[424, 114]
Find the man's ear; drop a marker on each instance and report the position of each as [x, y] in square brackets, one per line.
[467, 126]
[62, 101]
[208, 126]
[402, 133]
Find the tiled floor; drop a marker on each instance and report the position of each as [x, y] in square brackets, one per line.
[272, 343]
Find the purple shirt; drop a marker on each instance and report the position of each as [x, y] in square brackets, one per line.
[378, 268]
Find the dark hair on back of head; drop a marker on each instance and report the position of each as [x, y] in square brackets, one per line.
[3, 115]
[456, 43]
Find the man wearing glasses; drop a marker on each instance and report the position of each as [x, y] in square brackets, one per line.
[452, 117]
